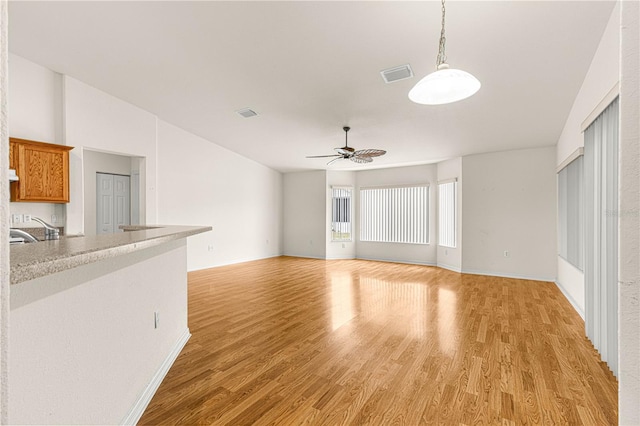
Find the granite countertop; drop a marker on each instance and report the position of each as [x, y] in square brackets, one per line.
[34, 260]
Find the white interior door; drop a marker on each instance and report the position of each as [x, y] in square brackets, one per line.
[122, 201]
[113, 198]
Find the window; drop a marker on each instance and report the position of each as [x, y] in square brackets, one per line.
[395, 214]
[447, 214]
[340, 214]
[601, 212]
[571, 213]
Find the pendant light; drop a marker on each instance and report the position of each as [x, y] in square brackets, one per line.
[445, 85]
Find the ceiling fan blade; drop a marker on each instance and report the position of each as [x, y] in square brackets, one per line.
[323, 156]
[360, 160]
[369, 153]
[334, 160]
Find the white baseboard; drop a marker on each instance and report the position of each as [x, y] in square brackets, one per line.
[508, 275]
[305, 256]
[346, 257]
[449, 267]
[570, 299]
[143, 401]
[408, 262]
[235, 262]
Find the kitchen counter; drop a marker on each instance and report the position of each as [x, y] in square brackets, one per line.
[34, 260]
[97, 321]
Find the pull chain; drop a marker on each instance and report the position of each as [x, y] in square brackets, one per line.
[442, 58]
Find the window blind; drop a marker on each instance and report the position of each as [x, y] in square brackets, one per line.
[601, 234]
[447, 214]
[395, 214]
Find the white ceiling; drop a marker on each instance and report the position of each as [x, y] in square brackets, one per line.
[308, 68]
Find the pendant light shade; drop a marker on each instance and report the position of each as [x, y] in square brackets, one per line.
[444, 86]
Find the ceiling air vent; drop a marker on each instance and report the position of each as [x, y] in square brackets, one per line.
[247, 113]
[396, 74]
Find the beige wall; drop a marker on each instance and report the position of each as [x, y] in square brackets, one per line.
[305, 219]
[509, 204]
[201, 183]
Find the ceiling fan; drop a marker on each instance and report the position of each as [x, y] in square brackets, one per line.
[349, 153]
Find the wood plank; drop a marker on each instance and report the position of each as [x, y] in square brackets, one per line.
[305, 341]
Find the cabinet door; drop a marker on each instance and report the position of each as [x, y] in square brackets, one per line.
[44, 174]
[13, 162]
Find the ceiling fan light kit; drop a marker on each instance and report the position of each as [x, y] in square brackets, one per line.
[346, 152]
[445, 85]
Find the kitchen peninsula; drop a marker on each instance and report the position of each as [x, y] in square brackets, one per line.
[96, 322]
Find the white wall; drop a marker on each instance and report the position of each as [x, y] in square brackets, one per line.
[4, 219]
[101, 162]
[305, 218]
[629, 220]
[451, 258]
[602, 76]
[410, 253]
[341, 249]
[509, 204]
[35, 113]
[83, 343]
[201, 183]
[99, 121]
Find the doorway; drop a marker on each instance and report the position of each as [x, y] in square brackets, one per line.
[113, 202]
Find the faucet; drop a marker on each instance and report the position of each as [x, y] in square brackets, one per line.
[50, 232]
[20, 233]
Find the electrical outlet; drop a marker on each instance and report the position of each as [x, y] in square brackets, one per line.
[506, 253]
[54, 218]
[15, 218]
[156, 319]
[210, 247]
[26, 218]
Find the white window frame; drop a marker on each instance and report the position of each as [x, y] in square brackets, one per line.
[447, 213]
[395, 214]
[339, 227]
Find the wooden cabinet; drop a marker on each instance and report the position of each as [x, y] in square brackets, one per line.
[43, 169]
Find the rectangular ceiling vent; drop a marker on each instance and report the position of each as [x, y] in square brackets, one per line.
[247, 113]
[396, 74]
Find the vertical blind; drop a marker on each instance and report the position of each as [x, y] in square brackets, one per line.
[341, 214]
[447, 214]
[395, 214]
[601, 234]
[571, 213]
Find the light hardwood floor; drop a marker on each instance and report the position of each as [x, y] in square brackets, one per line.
[303, 341]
